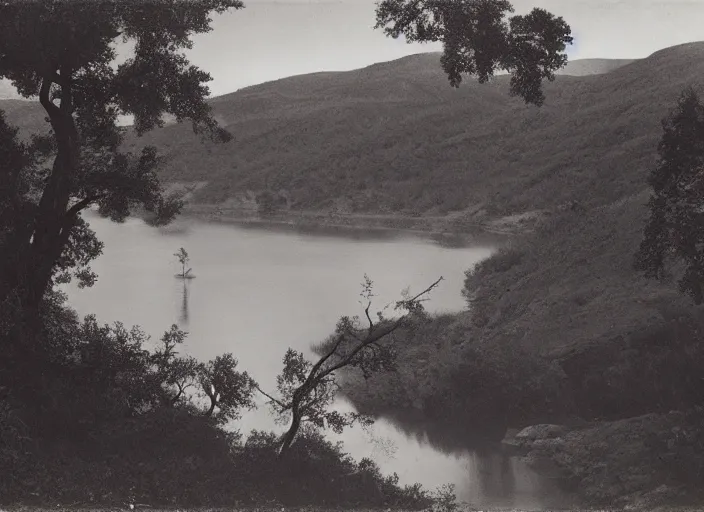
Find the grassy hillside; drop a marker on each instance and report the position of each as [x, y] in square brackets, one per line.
[28, 116]
[584, 67]
[396, 138]
[562, 328]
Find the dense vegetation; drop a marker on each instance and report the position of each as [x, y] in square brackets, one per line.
[563, 327]
[88, 414]
[358, 141]
[102, 426]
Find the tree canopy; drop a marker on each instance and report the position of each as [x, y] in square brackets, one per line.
[66, 55]
[674, 231]
[479, 38]
[306, 390]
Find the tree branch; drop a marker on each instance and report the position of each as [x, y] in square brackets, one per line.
[64, 80]
[278, 402]
[378, 335]
[82, 204]
[322, 360]
[44, 99]
[369, 318]
[424, 292]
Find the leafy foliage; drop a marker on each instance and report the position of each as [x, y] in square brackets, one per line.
[177, 374]
[227, 389]
[318, 472]
[307, 390]
[674, 229]
[477, 39]
[183, 259]
[65, 55]
[110, 421]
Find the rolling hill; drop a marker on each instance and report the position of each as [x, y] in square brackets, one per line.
[395, 138]
[563, 308]
[584, 67]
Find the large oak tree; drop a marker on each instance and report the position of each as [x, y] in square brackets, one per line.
[64, 54]
[479, 38]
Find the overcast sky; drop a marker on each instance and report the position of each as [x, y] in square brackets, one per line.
[270, 40]
[267, 40]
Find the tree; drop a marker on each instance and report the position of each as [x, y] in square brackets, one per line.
[183, 258]
[675, 228]
[307, 390]
[226, 389]
[176, 374]
[64, 54]
[478, 40]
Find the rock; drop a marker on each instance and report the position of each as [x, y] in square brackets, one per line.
[545, 466]
[513, 446]
[544, 431]
[550, 445]
[662, 495]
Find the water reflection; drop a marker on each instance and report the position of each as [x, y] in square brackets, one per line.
[259, 292]
[491, 477]
[183, 317]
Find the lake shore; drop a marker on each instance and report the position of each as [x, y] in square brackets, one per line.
[425, 224]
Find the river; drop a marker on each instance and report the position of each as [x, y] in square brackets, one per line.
[260, 290]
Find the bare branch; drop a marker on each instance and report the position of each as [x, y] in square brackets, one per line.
[309, 399]
[322, 360]
[372, 338]
[277, 402]
[369, 318]
[424, 292]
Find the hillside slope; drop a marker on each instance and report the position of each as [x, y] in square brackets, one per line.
[394, 137]
[584, 67]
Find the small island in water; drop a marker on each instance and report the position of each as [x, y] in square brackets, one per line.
[183, 259]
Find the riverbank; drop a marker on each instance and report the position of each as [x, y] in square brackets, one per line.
[636, 463]
[453, 224]
[563, 330]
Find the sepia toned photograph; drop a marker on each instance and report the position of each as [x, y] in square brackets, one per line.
[351, 255]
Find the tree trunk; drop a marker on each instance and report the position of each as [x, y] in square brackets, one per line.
[39, 249]
[210, 411]
[288, 438]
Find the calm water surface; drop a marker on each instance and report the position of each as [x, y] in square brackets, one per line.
[259, 291]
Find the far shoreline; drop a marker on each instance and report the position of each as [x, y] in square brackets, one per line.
[440, 227]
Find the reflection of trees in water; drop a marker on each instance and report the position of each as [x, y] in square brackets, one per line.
[183, 318]
[493, 473]
[447, 437]
[494, 479]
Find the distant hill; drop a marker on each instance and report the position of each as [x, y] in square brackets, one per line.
[394, 137]
[28, 116]
[7, 91]
[584, 67]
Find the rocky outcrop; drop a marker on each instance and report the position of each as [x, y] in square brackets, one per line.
[635, 463]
